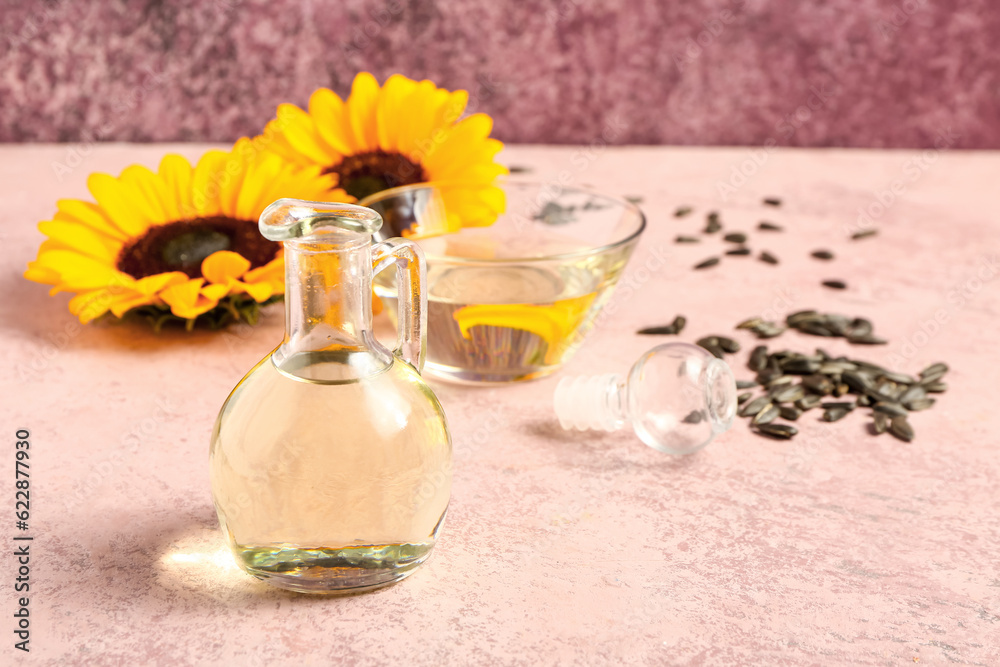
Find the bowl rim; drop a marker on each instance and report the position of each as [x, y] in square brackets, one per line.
[521, 183]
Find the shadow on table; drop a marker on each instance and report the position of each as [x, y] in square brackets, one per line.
[180, 563]
[598, 449]
[29, 313]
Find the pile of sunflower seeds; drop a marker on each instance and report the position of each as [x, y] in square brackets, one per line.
[856, 330]
[794, 383]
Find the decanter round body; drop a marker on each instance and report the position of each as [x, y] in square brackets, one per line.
[331, 459]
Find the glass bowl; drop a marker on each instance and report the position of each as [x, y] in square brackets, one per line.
[513, 300]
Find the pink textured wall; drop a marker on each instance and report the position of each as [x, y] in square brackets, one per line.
[878, 73]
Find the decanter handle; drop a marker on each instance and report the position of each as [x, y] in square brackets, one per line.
[411, 341]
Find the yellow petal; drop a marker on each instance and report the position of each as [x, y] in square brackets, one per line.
[361, 111]
[205, 186]
[150, 285]
[83, 239]
[273, 272]
[176, 173]
[255, 195]
[223, 266]
[469, 132]
[390, 110]
[123, 205]
[90, 305]
[123, 303]
[185, 300]
[216, 292]
[78, 272]
[329, 116]
[150, 190]
[75, 210]
[301, 133]
[409, 141]
[41, 274]
[260, 291]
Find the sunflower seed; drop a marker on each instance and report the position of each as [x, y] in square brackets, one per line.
[768, 375]
[800, 366]
[807, 402]
[936, 387]
[768, 257]
[728, 344]
[711, 261]
[841, 390]
[750, 323]
[780, 381]
[687, 239]
[860, 327]
[682, 211]
[694, 417]
[738, 252]
[789, 394]
[735, 237]
[753, 407]
[822, 254]
[766, 416]
[834, 414]
[745, 384]
[743, 398]
[758, 359]
[772, 201]
[801, 316]
[864, 400]
[864, 233]
[769, 330]
[790, 412]
[814, 329]
[634, 199]
[866, 340]
[891, 409]
[901, 428]
[779, 431]
[766, 226]
[881, 423]
[713, 225]
[818, 384]
[918, 404]
[857, 381]
[835, 284]
[668, 329]
[898, 378]
[933, 372]
[836, 366]
[716, 351]
[707, 340]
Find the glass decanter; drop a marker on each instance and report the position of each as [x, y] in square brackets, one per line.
[331, 460]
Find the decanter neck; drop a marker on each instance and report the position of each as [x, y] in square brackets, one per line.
[328, 295]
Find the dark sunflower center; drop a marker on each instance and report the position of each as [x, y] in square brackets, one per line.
[365, 174]
[183, 245]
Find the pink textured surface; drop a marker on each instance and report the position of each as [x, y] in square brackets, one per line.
[835, 547]
[894, 73]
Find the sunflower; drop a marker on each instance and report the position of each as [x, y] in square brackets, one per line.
[180, 243]
[403, 133]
